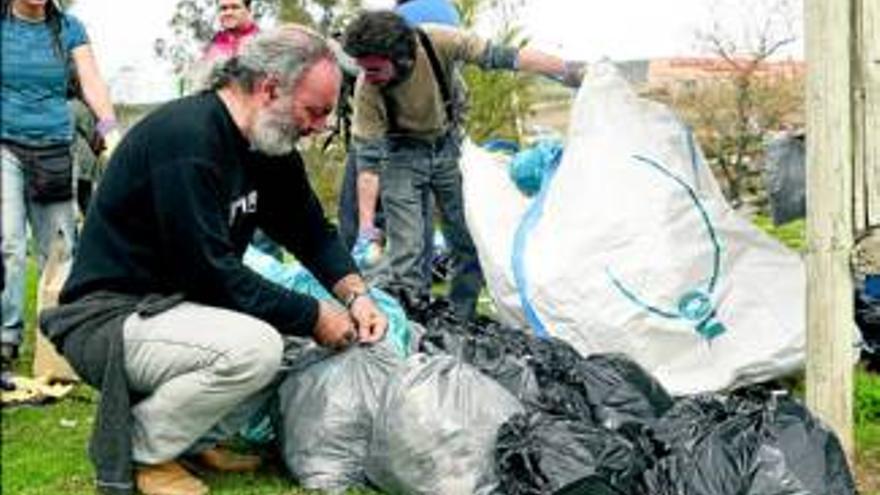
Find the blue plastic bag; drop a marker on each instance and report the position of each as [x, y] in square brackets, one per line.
[295, 277]
[528, 167]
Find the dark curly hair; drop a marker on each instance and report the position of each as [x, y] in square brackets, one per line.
[380, 32]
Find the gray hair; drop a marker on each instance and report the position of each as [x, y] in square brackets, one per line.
[284, 52]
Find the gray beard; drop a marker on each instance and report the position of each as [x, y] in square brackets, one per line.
[274, 136]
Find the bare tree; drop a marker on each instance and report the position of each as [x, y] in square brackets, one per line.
[744, 35]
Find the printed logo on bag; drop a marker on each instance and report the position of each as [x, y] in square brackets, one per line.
[695, 305]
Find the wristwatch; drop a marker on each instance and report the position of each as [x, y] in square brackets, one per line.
[352, 297]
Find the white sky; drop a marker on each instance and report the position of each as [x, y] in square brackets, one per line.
[123, 33]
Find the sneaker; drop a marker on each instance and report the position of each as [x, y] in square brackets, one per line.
[168, 478]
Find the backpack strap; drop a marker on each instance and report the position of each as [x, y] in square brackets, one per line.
[343, 112]
[439, 76]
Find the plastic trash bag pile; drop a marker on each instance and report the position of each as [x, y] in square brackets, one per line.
[603, 425]
[486, 409]
[667, 294]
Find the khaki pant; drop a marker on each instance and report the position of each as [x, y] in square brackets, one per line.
[204, 371]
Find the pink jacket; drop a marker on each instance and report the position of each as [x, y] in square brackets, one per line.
[225, 44]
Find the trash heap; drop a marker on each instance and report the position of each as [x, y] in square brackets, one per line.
[668, 279]
[481, 408]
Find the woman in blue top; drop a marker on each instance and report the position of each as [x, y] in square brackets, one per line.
[39, 44]
[360, 222]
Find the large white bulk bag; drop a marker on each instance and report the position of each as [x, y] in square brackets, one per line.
[631, 247]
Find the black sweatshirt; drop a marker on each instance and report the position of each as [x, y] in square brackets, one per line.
[178, 205]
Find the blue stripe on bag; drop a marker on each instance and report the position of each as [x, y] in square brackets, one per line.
[529, 221]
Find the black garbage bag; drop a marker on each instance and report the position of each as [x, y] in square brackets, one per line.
[328, 405]
[539, 454]
[785, 176]
[620, 391]
[811, 451]
[500, 353]
[753, 442]
[421, 308]
[435, 429]
[868, 320]
[549, 374]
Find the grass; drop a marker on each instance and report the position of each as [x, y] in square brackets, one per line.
[44, 448]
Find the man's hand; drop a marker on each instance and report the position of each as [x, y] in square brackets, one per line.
[371, 322]
[334, 328]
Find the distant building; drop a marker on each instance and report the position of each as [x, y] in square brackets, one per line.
[688, 72]
[667, 76]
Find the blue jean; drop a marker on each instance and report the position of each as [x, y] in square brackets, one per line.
[347, 215]
[347, 212]
[414, 171]
[48, 222]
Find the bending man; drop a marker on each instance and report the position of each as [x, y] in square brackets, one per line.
[403, 128]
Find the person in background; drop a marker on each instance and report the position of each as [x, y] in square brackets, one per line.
[39, 45]
[237, 23]
[159, 304]
[403, 130]
[86, 147]
[236, 27]
[360, 213]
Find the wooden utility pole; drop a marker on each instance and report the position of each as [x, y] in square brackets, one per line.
[831, 139]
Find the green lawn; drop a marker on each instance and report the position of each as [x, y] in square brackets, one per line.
[43, 449]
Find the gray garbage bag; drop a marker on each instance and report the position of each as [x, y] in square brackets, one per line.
[260, 429]
[436, 428]
[327, 409]
[785, 175]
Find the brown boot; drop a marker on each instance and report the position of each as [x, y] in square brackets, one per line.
[169, 478]
[220, 459]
